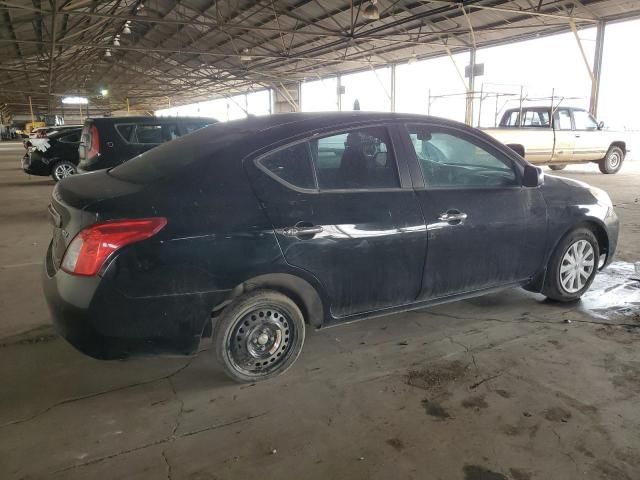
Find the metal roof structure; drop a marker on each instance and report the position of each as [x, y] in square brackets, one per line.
[155, 51]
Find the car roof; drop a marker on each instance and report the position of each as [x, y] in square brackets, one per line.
[127, 119]
[318, 120]
[65, 131]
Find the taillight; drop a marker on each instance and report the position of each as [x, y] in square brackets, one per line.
[91, 248]
[94, 150]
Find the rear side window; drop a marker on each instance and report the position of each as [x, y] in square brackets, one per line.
[535, 118]
[510, 119]
[72, 138]
[126, 132]
[355, 159]
[563, 120]
[291, 164]
[156, 133]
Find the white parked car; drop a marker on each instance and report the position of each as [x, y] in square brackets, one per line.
[560, 137]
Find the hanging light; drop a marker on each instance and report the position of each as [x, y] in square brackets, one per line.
[371, 11]
[126, 30]
[107, 53]
[245, 57]
[116, 42]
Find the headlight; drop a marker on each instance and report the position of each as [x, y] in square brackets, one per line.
[601, 196]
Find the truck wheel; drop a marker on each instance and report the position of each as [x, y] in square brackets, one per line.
[612, 162]
[259, 336]
[62, 170]
[557, 167]
[572, 266]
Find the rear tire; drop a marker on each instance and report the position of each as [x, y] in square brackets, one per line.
[63, 169]
[557, 167]
[259, 336]
[612, 162]
[572, 266]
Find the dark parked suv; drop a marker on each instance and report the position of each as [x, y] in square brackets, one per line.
[55, 155]
[109, 141]
[248, 230]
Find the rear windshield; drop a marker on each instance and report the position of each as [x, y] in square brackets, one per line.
[168, 159]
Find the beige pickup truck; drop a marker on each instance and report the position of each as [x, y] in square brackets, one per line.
[560, 137]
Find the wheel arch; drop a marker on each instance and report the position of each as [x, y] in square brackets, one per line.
[596, 227]
[592, 224]
[303, 293]
[620, 144]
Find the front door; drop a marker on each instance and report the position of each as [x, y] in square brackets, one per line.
[484, 229]
[341, 213]
[590, 142]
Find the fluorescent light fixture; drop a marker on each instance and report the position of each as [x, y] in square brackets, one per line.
[75, 100]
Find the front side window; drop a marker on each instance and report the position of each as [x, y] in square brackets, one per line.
[563, 120]
[355, 159]
[584, 120]
[156, 133]
[447, 160]
[291, 164]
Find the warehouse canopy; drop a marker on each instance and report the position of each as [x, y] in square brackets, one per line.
[155, 51]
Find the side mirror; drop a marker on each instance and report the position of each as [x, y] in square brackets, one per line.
[533, 176]
[600, 125]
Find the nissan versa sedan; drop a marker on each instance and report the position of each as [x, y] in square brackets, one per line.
[253, 231]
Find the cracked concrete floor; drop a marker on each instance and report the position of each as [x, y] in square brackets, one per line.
[498, 387]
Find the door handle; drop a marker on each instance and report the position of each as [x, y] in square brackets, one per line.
[300, 231]
[452, 217]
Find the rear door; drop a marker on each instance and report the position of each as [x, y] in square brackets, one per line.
[484, 229]
[343, 211]
[565, 136]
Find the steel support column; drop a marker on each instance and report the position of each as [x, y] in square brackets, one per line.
[597, 69]
[468, 118]
[393, 87]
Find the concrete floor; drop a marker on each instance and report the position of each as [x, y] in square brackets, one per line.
[499, 387]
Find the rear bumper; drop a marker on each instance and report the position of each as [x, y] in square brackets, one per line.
[104, 323]
[33, 166]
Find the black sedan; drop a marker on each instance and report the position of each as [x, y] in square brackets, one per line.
[251, 229]
[55, 155]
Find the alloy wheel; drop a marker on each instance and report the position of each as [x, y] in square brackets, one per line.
[63, 171]
[578, 263]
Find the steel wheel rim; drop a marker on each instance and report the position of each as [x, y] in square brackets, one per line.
[261, 341]
[63, 171]
[578, 263]
[614, 160]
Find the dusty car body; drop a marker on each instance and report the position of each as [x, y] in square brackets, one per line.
[251, 229]
[561, 136]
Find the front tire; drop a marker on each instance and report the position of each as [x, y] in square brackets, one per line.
[612, 162]
[259, 336]
[62, 170]
[572, 266]
[557, 167]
